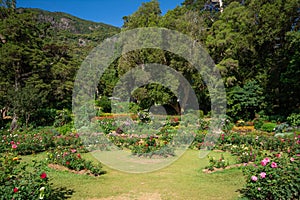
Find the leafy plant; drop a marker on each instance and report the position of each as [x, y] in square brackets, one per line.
[273, 177]
[71, 159]
[268, 127]
[20, 180]
[217, 163]
[294, 119]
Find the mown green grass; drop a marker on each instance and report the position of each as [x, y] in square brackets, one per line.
[183, 179]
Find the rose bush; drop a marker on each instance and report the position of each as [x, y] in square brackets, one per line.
[20, 180]
[275, 178]
[71, 158]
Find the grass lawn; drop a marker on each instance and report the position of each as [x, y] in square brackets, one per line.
[183, 179]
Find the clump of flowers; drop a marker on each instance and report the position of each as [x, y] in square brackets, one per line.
[217, 163]
[73, 160]
[273, 177]
[17, 182]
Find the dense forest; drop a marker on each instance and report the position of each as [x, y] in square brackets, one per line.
[255, 44]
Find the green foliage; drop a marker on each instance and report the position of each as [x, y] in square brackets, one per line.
[273, 177]
[258, 123]
[62, 117]
[37, 141]
[294, 119]
[147, 15]
[20, 180]
[268, 127]
[245, 101]
[73, 160]
[217, 163]
[104, 104]
[255, 46]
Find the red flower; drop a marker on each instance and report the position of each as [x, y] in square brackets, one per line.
[16, 190]
[12, 142]
[43, 175]
[78, 155]
[67, 163]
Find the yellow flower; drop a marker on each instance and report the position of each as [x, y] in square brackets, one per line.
[15, 158]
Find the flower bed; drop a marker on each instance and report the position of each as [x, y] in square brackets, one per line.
[71, 158]
[275, 172]
[19, 180]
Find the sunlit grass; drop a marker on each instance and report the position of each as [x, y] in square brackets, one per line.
[183, 179]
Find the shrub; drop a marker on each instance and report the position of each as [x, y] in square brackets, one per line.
[66, 128]
[72, 159]
[217, 163]
[273, 177]
[104, 103]
[294, 119]
[258, 123]
[19, 180]
[268, 127]
[62, 117]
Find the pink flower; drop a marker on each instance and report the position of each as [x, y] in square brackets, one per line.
[292, 159]
[263, 175]
[278, 155]
[12, 142]
[274, 165]
[259, 189]
[254, 178]
[16, 190]
[265, 161]
[73, 150]
[14, 146]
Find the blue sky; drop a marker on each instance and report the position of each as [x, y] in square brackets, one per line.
[106, 11]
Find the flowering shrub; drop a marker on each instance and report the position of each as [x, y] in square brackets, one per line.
[35, 142]
[217, 163]
[72, 159]
[19, 180]
[273, 177]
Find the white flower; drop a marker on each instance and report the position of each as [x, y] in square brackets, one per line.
[41, 196]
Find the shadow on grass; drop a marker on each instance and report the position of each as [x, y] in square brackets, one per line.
[61, 193]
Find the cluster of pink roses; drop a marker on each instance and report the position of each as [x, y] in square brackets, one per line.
[264, 162]
[14, 145]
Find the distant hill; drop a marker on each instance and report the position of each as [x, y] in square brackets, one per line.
[78, 34]
[63, 21]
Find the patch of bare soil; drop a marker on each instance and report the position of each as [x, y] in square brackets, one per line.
[207, 171]
[63, 168]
